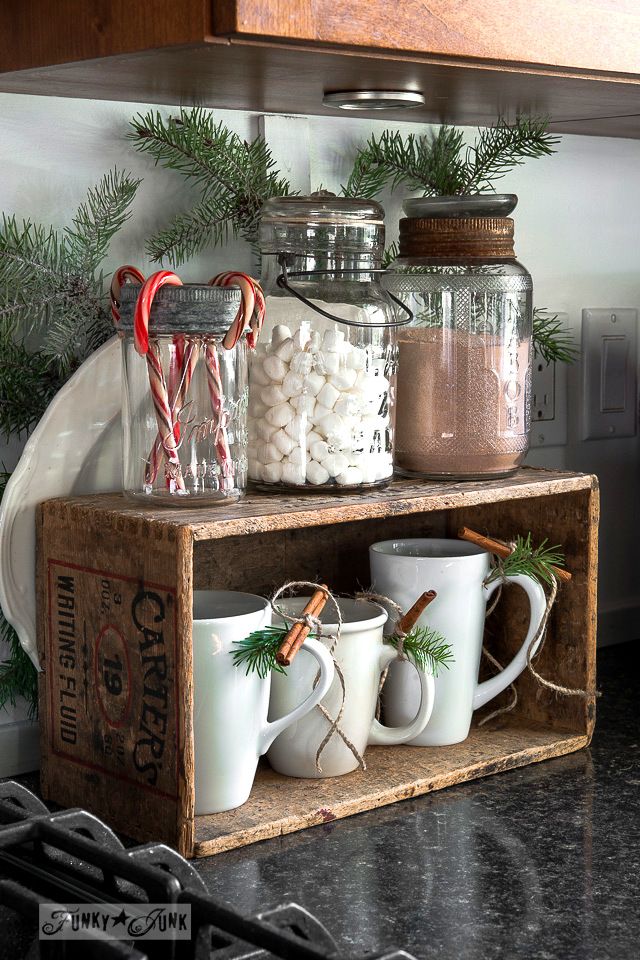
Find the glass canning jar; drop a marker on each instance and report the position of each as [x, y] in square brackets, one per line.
[203, 459]
[322, 380]
[464, 386]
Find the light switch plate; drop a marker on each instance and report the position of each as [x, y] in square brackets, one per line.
[609, 373]
[549, 397]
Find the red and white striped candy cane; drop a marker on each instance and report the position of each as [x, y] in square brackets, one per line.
[187, 358]
[216, 398]
[120, 277]
[251, 312]
[159, 392]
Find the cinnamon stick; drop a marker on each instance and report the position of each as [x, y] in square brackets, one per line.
[411, 617]
[501, 549]
[300, 631]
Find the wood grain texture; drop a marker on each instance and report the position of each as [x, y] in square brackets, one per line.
[279, 805]
[274, 77]
[594, 35]
[34, 33]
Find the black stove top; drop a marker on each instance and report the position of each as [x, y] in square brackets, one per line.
[71, 857]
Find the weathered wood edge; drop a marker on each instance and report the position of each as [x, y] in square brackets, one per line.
[566, 743]
[185, 807]
[288, 512]
[592, 606]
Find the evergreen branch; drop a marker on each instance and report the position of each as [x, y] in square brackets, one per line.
[367, 179]
[529, 561]
[18, 676]
[391, 253]
[28, 383]
[501, 148]
[258, 651]
[426, 648]
[192, 232]
[550, 340]
[98, 219]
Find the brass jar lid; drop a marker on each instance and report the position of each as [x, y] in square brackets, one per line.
[457, 238]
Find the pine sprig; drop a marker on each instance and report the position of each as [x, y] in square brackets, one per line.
[551, 340]
[103, 213]
[438, 164]
[258, 651]
[529, 561]
[234, 178]
[426, 648]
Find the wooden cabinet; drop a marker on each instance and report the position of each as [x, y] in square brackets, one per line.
[579, 63]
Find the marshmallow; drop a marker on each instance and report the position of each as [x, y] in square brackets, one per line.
[265, 430]
[301, 337]
[296, 428]
[273, 395]
[272, 473]
[312, 437]
[285, 350]
[255, 470]
[348, 405]
[301, 363]
[292, 385]
[283, 442]
[275, 368]
[257, 374]
[313, 383]
[333, 341]
[351, 477]
[327, 362]
[331, 424]
[268, 453]
[257, 408]
[293, 474]
[316, 473]
[328, 396]
[335, 464]
[280, 415]
[298, 456]
[356, 359]
[319, 450]
[280, 332]
[304, 405]
[344, 379]
[314, 341]
[252, 430]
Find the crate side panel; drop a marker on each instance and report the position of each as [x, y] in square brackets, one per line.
[336, 554]
[112, 730]
[568, 655]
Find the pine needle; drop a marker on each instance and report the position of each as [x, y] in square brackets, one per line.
[426, 648]
[233, 176]
[258, 651]
[529, 561]
[550, 340]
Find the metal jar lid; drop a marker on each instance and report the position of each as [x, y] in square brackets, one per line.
[191, 308]
[321, 222]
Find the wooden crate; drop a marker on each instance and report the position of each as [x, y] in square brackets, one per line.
[115, 586]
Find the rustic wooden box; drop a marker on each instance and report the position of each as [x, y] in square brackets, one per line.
[115, 598]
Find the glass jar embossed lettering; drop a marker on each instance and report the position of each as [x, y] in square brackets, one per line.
[322, 382]
[203, 459]
[465, 361]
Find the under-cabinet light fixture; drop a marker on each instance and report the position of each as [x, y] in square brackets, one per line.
[374, 99]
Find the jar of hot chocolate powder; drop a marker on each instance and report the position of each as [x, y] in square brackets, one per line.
[464, 381]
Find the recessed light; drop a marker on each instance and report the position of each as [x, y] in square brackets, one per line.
[374, 99]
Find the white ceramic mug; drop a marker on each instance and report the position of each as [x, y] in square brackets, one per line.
[456, 570]
[362, 656]
[230, 726]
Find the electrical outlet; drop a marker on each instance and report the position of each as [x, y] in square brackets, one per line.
[549, 398]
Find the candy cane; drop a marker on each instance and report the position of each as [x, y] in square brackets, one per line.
[187, 358]
[216, 397]
[159, 392]
[251, 312]
[119, 278]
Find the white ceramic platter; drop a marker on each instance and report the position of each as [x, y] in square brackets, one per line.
[75, 449]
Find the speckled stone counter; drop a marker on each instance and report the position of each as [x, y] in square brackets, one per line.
[539, 863]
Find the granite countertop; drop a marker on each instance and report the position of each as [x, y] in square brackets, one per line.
[539, 863]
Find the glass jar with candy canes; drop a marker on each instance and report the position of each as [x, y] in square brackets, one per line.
[185, 384]
[322, 381]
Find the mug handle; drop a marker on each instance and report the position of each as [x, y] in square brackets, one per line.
[379, 735]
[325, 661]
[538, 604]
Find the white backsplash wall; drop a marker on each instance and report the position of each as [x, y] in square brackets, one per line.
[577, 230]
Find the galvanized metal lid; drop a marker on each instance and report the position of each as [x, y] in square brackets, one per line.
[191, 308]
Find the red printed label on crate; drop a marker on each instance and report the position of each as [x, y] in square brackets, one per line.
[112, 675]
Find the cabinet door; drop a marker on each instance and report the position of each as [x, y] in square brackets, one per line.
[588, 35]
